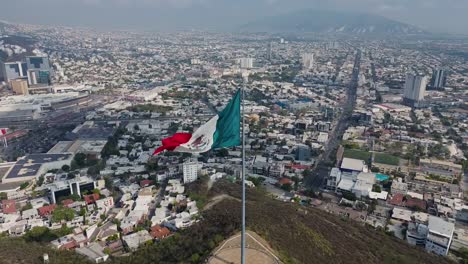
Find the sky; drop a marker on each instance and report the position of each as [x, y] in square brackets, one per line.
[446, 16]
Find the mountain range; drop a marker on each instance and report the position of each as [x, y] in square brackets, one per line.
[309, 20]
[330, 22]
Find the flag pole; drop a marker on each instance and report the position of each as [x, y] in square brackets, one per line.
[243, 181]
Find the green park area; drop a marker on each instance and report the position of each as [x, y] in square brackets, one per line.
[381, 158]
[357, 154]
[386, 159]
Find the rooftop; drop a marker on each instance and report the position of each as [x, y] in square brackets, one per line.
[353, 164]
[440, 226]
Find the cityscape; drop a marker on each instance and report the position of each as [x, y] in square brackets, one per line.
[352, 146]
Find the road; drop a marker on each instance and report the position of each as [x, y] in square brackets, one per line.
[322, 168]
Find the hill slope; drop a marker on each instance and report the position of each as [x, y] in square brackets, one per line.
[18, 251]
[330, 22]
[299, 234]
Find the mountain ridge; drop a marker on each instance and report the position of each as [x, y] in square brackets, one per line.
[324, 21]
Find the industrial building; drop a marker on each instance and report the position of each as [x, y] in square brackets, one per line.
[30, 107]
[34, 165]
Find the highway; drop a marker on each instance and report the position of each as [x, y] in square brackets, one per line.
[322, 168]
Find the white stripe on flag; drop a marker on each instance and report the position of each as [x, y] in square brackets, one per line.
[202, 139]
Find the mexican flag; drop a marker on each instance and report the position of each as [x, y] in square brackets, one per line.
[223, 130]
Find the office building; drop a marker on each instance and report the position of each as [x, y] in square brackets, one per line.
[270, 51]
[39, 71]
[440, 235]
[414, 90]
[439, 78]
[332, 45]
[19, 86]
[39, 77]
[307, 61]
[14, 70]
[38, 63]
[190, 170]
[246, 63]
[303, 153]
[65, 188]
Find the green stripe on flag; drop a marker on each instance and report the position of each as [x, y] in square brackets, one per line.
[227, 132]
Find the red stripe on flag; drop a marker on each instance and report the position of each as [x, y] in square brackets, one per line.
[173, 142]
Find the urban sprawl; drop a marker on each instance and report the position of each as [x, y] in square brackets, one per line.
[370, 130]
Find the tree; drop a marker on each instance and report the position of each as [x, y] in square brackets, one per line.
[66, 168]
[82, 211]
[27, 207]
[223, 152]
[71, 175]
[307, 173]
[3, 196]
[113, 237]
[463, 253]
[151, 165]
[40, 234]
[195, 258]
[80, 160]
[93, 170]
[287, 187]
[257, 181]
[296, 182]
[465, 167]
[24, 185]
[62, 213]
[40, 181]
[376, 188]
[349, 196]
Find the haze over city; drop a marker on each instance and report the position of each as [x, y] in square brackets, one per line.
[441, 16]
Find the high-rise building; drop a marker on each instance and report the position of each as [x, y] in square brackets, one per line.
[38, 63]
[415, 88]
[246, 63]
[19, 86]
[39, 77]
[332, 45]
[439, 78]
[39, 71]
[308, 61]
[270, 51]
[14, 70]
[190, 170]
